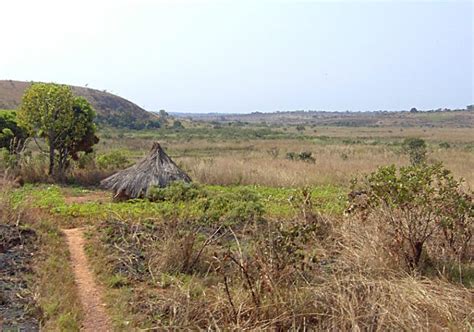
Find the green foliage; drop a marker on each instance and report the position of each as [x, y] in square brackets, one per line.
[416, 149]
[183, 202]
[177, 191]
[86, 160]
[238, 207]
[177, 125]
[52, 112]
[305, 156]
[419, 203]
[10, 130]
[444, 145]
[117, 281]
[112, 160]
[234, 207]
[81, 136]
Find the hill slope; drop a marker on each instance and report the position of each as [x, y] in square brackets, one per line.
[111, 109]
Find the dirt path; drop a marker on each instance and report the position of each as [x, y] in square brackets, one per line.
[95, 317]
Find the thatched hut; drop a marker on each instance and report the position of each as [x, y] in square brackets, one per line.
[157, 169]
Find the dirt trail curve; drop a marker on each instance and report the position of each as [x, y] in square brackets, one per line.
[95, 316]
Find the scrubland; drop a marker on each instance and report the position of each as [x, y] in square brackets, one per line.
[261, 241]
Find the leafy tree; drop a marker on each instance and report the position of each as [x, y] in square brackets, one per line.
[12, 136]
[51, 111]
[81, 134]
[416, 149]
[417, 204]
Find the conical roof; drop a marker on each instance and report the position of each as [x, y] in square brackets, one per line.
[157, 169]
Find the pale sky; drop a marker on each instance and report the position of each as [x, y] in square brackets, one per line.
[244, 56]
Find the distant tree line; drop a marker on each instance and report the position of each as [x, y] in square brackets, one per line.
[128, 121]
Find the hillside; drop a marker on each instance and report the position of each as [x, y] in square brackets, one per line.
[111, 109]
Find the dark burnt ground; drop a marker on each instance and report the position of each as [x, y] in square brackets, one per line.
[17, 305]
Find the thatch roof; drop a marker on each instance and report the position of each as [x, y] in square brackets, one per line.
[157, 169]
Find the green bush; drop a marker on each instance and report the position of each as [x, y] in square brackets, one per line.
[9, 130]
[177, 191]
[416, 149]
[234, 207]
[112, 160]
[421, 206]
[444, 145]
[86, 160]
[238, 207]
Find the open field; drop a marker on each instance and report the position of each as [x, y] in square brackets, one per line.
[261, 242]
[228, 156]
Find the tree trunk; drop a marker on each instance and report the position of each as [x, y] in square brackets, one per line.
[62, 163]
[51, 159]
[417, 249]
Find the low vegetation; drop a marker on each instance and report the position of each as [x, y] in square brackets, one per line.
[273, 232]
[285, 273]
[37, 287]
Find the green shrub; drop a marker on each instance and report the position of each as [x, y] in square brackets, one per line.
[416, 149]
[10, 130]
[237, 207]
[112, 160]
[86, 160]
[177, 125]
[177, 191]
[444, 145]
[234, 207]
[421, 206]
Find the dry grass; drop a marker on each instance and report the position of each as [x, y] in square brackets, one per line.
[340, 152]
[331, 167]
[287, 276]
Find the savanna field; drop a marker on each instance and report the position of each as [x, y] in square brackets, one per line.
[274, 232]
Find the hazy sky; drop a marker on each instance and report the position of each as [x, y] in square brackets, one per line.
[243, 56]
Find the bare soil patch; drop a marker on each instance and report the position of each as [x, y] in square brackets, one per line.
[18, 311]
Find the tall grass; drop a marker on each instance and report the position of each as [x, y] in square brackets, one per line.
[334, 165]
[309, 273]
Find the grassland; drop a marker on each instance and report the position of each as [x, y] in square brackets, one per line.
[257, 155]
[263, 242]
